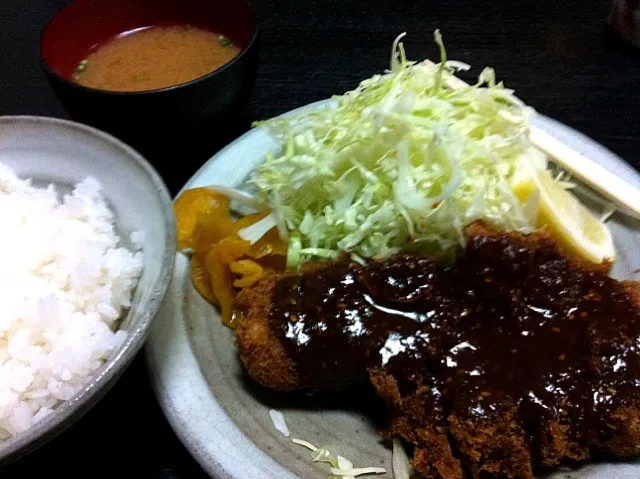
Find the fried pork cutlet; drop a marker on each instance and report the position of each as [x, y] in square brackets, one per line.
[516, 357]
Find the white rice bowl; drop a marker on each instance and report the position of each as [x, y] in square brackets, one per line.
[65, 280]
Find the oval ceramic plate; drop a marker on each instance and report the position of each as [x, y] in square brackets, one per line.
[223, 418]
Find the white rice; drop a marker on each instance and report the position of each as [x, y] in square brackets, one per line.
[64, 282]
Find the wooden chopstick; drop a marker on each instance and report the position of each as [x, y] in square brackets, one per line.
[618, 191]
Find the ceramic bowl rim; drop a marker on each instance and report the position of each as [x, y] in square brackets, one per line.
[69, 411]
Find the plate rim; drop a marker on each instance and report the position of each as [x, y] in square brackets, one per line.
[179, 420]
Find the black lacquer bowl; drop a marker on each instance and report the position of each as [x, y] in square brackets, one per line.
[154, 119]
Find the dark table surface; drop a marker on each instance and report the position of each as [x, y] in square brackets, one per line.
[556, 55]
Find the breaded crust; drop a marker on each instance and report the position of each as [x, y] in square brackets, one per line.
[539, 239]
[261, 353]
[433, 455]
[446, 445]
[500, 448]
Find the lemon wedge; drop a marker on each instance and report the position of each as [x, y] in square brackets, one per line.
[524, 182]
[560, 213]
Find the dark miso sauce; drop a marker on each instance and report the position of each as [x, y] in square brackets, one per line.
[508, 324]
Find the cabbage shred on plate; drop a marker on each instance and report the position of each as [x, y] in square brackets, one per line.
[401, 163]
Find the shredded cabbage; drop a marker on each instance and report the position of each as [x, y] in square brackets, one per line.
[278, 422]
[352, 473]
[400, 163]
[254, 232]
[341, 467]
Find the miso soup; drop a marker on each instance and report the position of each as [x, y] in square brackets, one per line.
[155, 57]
